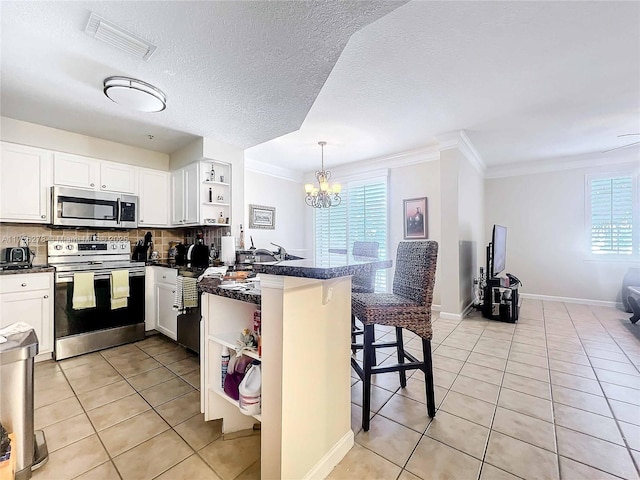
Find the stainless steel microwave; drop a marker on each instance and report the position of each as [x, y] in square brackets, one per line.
[74, 207]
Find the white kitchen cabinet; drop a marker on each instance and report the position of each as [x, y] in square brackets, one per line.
[160, 287]
[153, 190]
[25, 180]
[166, 316]
[84, 172]
[76, 171]
[185, 195]
[28, 298]
[118, 177]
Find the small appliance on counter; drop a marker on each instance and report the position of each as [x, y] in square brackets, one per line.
[141, 249]
[181, 254]
[198, 254]
[17, 257]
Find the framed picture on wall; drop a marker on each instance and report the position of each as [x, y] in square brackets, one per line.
[262, 217]
[415, 218]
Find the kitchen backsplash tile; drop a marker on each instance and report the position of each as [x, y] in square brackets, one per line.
[37, 236]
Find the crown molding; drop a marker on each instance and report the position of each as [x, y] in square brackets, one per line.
[460, 140]
[589, 160]
[273, 170]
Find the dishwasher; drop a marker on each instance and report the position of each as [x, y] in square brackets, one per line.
[188, 334]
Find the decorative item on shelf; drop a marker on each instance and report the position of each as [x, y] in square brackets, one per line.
[212, 174]
[210, 220]
[257, 328]
[221, 198]
[324, 195]
[247, 341]
[221, 178]
[241, 237]
[220, 218]
[210, 195]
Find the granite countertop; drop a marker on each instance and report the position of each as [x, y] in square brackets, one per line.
[33, 269]
[322, 269]
[212, 285]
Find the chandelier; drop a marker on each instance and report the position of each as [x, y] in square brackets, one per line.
[324, 195]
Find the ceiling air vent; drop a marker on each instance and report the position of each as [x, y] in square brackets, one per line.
[118, 37]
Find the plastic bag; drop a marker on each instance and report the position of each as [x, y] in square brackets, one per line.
[235, 375]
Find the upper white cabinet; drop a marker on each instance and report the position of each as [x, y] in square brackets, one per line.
[154, 193]
[185, 195]
[83, 172]
[118, 177]
[25, 180]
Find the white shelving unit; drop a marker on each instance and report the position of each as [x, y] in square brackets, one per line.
[233, 402]
[220, 186]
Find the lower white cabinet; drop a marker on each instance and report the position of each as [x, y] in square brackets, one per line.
[160, 289]
[167, 317]
[28, 298]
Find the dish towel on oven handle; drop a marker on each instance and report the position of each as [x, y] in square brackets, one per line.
[119, 289]
[84, 292]
[178, 300]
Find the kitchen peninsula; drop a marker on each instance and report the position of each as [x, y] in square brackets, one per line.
[306, 413]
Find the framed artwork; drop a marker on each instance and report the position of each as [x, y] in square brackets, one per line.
[262, 217]
[415, 218]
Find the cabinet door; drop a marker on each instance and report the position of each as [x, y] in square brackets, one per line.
[34, 308]
[25, 181]
[75, 171]
[191, 194]
[166, 316]
[117, 177]
[154, 198]
[177, 197]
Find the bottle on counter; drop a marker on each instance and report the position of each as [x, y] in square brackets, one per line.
[224, 364]
[241, 238]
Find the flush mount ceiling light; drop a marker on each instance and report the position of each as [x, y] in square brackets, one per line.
[324, 195]
[135, 94]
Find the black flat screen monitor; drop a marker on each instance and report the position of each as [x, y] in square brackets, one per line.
[499, 249]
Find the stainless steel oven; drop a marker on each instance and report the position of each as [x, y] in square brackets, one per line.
[87, 330]
[74, 207]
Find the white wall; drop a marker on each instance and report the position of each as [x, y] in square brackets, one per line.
[287, 196]
[414, 181]
[24, 133]
[470, 229]
[547, 235]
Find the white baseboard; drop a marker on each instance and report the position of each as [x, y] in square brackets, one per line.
[583, 301]
[456, 316]
[323, 468]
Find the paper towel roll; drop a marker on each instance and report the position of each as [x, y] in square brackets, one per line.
[228, 250]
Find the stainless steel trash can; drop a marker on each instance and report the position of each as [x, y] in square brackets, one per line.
[16, 401]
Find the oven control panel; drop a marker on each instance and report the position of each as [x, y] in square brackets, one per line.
[56, 248]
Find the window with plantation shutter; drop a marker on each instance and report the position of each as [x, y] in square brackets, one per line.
[362, 216]
[613, 215]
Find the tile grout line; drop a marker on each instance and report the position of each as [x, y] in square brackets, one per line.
[615, 419]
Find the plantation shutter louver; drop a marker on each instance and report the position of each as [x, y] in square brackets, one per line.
[612, 215]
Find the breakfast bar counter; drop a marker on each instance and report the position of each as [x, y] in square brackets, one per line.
[306, 347]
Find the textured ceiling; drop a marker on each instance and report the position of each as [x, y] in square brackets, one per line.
[241, 72]
[527, 81]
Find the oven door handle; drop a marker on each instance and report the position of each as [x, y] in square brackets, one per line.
[68, 276]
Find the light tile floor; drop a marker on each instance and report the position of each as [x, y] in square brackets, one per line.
[556, 395]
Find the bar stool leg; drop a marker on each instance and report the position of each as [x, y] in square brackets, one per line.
[368, 358]
[400, 347]
[428, 378]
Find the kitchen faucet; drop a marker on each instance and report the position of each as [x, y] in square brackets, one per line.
[282, 253]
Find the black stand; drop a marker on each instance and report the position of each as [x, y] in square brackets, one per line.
[500, 301]
[500, 298]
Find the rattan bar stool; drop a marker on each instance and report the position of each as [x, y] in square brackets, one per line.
[409, 306]
[362, 282]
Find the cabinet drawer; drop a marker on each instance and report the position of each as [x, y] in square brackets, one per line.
[165, 275]
[25, 282]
